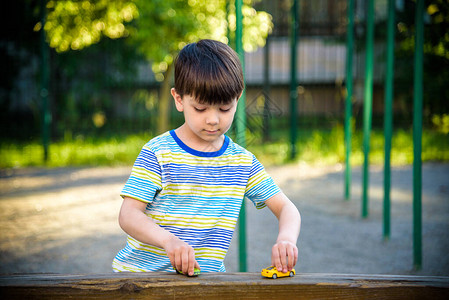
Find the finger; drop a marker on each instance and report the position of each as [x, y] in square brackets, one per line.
[171, 257]
[185, 261]
[197, 265]
[291, 258]
[172, 261]
[191, 261]
[283, 257]
[275, 261]
[280, 257]
[178, 260]
[295, 257]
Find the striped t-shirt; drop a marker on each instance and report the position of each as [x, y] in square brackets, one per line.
[195, 195]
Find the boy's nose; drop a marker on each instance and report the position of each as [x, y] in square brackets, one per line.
[212, 118]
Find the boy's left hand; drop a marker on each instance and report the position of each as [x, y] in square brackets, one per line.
[284, 255]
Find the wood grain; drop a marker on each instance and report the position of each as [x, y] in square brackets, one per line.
[221, 286]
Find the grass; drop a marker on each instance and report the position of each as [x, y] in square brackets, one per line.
[315, 147]
[77, 152]
[320, 147]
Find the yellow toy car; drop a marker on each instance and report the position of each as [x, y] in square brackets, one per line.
[272, 272]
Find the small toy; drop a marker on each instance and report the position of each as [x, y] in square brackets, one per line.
[196, 272]
[272, 272]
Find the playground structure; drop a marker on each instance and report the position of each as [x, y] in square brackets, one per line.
[388, 117]
[294, 40]
[367, 113]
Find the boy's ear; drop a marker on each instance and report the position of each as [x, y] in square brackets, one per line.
[178, 100]
[239, 96]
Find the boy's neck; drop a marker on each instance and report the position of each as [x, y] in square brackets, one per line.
[193, 141]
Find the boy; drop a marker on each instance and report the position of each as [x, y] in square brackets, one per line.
[183, 197]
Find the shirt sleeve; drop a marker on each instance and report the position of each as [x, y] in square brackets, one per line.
[145, 179]
[260, 186]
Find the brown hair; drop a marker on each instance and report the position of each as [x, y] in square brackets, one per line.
[209, 71]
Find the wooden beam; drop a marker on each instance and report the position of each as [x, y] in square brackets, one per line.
[221, 286]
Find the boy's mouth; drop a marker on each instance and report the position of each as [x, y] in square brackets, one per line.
[211, 131]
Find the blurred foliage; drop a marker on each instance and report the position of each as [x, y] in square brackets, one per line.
[436, 24]
[315, 147]
[441, 123]
[17, 40]
[158, 28]
[166, 26]
[77, 151]
[94, 92]
[83, 84]
[79, 24]
[436, 58]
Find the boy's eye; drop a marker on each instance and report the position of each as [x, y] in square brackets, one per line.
[225, 109]
[199, 109]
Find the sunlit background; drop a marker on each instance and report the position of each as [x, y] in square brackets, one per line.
[89, 82]
[107, 67]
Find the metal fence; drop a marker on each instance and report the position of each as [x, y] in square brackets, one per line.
[110, 89]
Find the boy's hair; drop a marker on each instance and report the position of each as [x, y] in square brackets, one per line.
[209, 71]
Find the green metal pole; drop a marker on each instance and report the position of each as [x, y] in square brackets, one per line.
[266, 90]
[368, 102]
[348, 106]
[46, 116]
[293, 78]
[388, 118]
[231, 38]
[240, 130]
[228, 30]
[417, 135]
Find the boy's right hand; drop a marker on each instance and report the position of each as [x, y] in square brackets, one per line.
[181, 255]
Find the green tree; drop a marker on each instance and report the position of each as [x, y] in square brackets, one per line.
[436, 58]
[79, 24]
[17, 43]
[164, 27]
[159, 28]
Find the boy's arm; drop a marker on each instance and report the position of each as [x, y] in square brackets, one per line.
[284, 254]
[136, 223]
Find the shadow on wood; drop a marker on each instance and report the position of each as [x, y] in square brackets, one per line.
[221, 286]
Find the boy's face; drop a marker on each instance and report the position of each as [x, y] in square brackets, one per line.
[205, 122]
